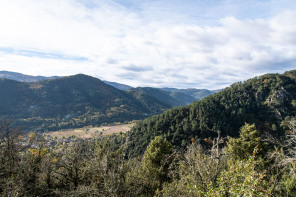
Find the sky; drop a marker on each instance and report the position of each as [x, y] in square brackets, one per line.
[158, 43]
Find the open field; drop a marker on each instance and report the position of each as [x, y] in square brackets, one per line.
[90, 132]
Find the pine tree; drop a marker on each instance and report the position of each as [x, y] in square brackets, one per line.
[155, 162]
[244, 146]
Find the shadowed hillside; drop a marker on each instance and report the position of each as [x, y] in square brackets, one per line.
[69, 102]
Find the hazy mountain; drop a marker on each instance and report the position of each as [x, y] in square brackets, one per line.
[23, 78]
[118, 85]
[171, 96]
[73, 101]
[197, 94]
[267, 101]
[173, 99]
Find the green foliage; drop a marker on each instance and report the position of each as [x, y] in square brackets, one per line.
[156, 151]
[153, 171]
[150, 101]
[104, 166]
[196, 170]
[154, 162]
[97, 168]
[265, 101]
[287, 184]
[241, 179]
[284, 157]
[244, 146]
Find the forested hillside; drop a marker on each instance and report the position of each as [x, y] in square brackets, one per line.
[148, 100]
[118, 85]
[266, 101]
[172, 99]
[197, 94]
[70, 102]
[245, 167]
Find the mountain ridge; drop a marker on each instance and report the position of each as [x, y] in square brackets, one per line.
[69, 102]
[171, 98]
[22, 77]
[175, 97]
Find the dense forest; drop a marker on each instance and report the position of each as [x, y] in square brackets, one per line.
[266, 101]
[245, 166]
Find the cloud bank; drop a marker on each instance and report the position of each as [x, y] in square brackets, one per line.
[149, 43]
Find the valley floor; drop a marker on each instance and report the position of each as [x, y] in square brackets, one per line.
[91, 132]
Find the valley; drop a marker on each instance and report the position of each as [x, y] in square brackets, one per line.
[78, 134]
[92, 132]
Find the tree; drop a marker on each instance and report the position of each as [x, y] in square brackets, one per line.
[10, 148]
[241, 179]
[155, 164]
[284, 161]
[244, 146]
[196, 170]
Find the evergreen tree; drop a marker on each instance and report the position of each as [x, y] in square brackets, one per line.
[155, 162]
[244, 146]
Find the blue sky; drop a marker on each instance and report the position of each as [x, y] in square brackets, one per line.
[160, 43]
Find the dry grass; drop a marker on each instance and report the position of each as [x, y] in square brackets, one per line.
[90, 132]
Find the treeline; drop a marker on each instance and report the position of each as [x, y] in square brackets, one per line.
[267, 101]
[90, 118]
[245, 166]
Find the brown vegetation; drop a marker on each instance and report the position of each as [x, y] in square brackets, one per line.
[90, 132]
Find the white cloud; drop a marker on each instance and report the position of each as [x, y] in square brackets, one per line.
[164, 52]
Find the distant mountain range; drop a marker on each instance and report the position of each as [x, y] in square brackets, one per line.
[118, 85]
[196, 94]
[173, 99]
[171, 96]
[50, 103]
[69, 102]
[23, 78]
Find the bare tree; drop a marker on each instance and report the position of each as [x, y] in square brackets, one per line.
[10, 149]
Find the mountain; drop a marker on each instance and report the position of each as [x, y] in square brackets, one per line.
[171, 96]
[148, 100]
[267, 101]
[23, 78]
[70, 102]
[118, 85]
[197, 94]
[173, 99]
